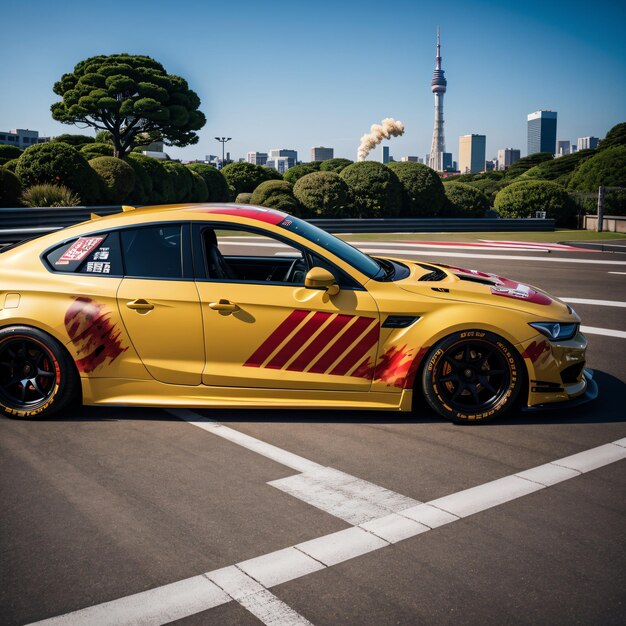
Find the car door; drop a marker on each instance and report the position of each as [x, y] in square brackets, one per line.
[265, 329]
[159, 303]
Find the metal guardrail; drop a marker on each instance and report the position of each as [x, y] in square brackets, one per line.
[20, 223]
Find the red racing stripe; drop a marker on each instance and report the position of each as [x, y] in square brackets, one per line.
[298, 340]
[313, 350]
[276, 338]
[342, 344]
[357, 353]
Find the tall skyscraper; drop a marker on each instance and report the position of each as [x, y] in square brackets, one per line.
[438, 87]
[542, 132]
[587, 143]
[322, 154]
[472, 149]
[506, 157]
[562, 147]
[385, 154]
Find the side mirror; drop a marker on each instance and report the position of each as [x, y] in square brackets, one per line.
[319, 278]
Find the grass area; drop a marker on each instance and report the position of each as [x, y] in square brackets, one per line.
[557, 236]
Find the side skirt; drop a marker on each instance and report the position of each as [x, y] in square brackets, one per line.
[125, 392]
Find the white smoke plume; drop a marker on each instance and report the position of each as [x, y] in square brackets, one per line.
[386, 129]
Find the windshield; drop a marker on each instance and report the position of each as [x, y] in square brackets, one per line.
[365, 264]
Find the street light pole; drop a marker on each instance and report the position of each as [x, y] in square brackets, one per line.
[223, 140]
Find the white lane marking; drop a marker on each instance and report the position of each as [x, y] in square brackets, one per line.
[270, 610]
[485, 496]
[548, 474]
[149, 608]
[620, 273]
[280, 567]
[342, 495]
[615, 303]
[157, 606]
[510, 257]
[607, 332]
[341, 546]
[256, 445]
[393, 528]
[255, 598]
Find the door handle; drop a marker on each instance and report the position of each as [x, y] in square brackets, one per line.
[140, 305]
[223, 305]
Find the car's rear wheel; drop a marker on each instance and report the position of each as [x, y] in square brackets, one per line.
[472, 376]
[37, 376]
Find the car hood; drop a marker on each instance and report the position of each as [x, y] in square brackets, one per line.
[452, 283]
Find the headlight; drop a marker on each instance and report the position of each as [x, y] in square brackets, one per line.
[555, 330]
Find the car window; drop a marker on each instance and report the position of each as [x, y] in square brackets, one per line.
[153, 251]
[93, 254]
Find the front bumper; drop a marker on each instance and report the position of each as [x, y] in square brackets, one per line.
[590, 393]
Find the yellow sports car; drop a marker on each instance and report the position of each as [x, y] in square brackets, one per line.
[241, 306]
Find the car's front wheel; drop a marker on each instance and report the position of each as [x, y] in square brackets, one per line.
[37, 376]
[472, 376]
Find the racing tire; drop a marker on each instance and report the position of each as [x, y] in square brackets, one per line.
[472, 376]
[37, 375]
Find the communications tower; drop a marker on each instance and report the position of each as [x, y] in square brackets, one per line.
[438, 86]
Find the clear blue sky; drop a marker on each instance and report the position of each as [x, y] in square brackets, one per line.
[296, 74]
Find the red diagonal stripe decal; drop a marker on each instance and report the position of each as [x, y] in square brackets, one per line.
[342, 344]
[357, 353]
[313, 350]
[298, 340]
[276, 338]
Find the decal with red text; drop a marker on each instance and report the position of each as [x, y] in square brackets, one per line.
[79, 250]
[94, 336]
[506, 287]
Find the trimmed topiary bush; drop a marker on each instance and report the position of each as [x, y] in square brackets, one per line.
[8, 153]
[525, 163]
[93, 150]
[559, 169]
[375, 189]
[245, 177]
[335, 165]
[324, 194]
[57, 163]
[298, 171]
[243, 198]
[277, 194]
[487, 186]
[615, 137]
[422, 190]
[182, 182]
[217, 186]
[142, 191]
[161, 184]
[10, 188]
[74, 140]
[117, 176]
[465, 201]
[49, 196]
[606, 168]
[272, 174]
[11, 165]
[199, 190]
[525, 197]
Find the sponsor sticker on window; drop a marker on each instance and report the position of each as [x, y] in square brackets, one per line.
[79, 250]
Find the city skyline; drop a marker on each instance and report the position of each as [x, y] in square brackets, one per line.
[502, 63]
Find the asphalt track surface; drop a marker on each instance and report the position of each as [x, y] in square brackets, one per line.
[200, 524]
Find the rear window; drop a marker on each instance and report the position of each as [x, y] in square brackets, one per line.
[153, 251]
[93, 254]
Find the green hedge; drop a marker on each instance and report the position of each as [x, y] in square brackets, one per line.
[422, 190]
[117, 176]
[324, 194]
[217, 186]
[465, 201]
[298, 171]
[277, 194]
[57, 163]
[10, 188]
[181, 180]
[335, 165]
[525, 197]
[245, 177]
[199, 190]
[375, 189]
[93, 150]
[8, 153]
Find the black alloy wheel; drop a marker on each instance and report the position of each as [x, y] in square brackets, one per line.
[472, 376]
[36, 376]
